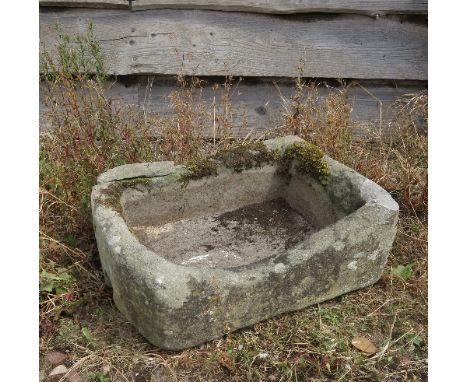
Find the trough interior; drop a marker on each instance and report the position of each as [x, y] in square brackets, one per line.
[228, 220]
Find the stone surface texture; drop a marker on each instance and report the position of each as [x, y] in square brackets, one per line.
[176, 306]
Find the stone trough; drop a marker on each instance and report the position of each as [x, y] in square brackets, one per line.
[190, 262]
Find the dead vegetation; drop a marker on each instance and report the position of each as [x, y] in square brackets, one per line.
[77, 316]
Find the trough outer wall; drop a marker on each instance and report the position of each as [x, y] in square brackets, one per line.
[176, 306]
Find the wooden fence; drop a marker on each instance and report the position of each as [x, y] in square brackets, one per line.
[380, 46]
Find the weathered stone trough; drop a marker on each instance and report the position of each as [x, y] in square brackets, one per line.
[191, 261]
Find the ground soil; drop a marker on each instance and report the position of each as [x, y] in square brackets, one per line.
[228, 239]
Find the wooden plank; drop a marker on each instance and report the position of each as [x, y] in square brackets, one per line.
[372, 8]
[258, 104]
[210, 43]
[368, 7]
[123, 4]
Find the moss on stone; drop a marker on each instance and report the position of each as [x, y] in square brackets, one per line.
[110, 197]
[246, 156]
[239, 158]
[308, 160]
[198, 169]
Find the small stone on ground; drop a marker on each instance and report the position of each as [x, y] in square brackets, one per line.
[56, 358]
[73, 376]
[59, 370]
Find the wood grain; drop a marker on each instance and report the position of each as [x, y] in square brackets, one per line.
[260, 103]
[123, 4]
[208, 43]
[368, 7]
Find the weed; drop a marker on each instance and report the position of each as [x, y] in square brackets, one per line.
[110, 197]
[199, 169]
[182, 136]
[58, 282]
[403, 271]
[78, 57]
[88, 337]
[88, 134]
[326, 123]
[99, 377]
[68, 331]
[57, 289]
[334, 317]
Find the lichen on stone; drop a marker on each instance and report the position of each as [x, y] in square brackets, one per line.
[110, 196]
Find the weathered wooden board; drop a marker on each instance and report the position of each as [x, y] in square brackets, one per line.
[369, 7]
[123, 4]
[207, 43]
[259, 104]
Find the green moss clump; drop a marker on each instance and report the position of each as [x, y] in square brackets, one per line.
[308, 160]
[307, 157]
[198, 169]
[239, 158]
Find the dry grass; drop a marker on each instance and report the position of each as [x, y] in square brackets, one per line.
[77, 315]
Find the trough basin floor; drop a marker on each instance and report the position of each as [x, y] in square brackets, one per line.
[228, 239]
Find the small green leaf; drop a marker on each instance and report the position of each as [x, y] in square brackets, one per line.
[417, 341]
[64, 276]
[403, 271]
[49, 276]
[49, 287]
[87, 335]
[101, 377]
[415, 228]
[60, 290]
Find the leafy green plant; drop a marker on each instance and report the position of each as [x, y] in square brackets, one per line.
[403, 271]
[417, 341]
[334, 317]
[58, 281]
[88, 336]
[99, 377]
[68, 331]
[415, 227]
[76, 57]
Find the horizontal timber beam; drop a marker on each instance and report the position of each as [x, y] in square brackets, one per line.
[122, 4]
[367, 7]
[213, 43]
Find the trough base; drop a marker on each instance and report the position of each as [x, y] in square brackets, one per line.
[228, 239]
